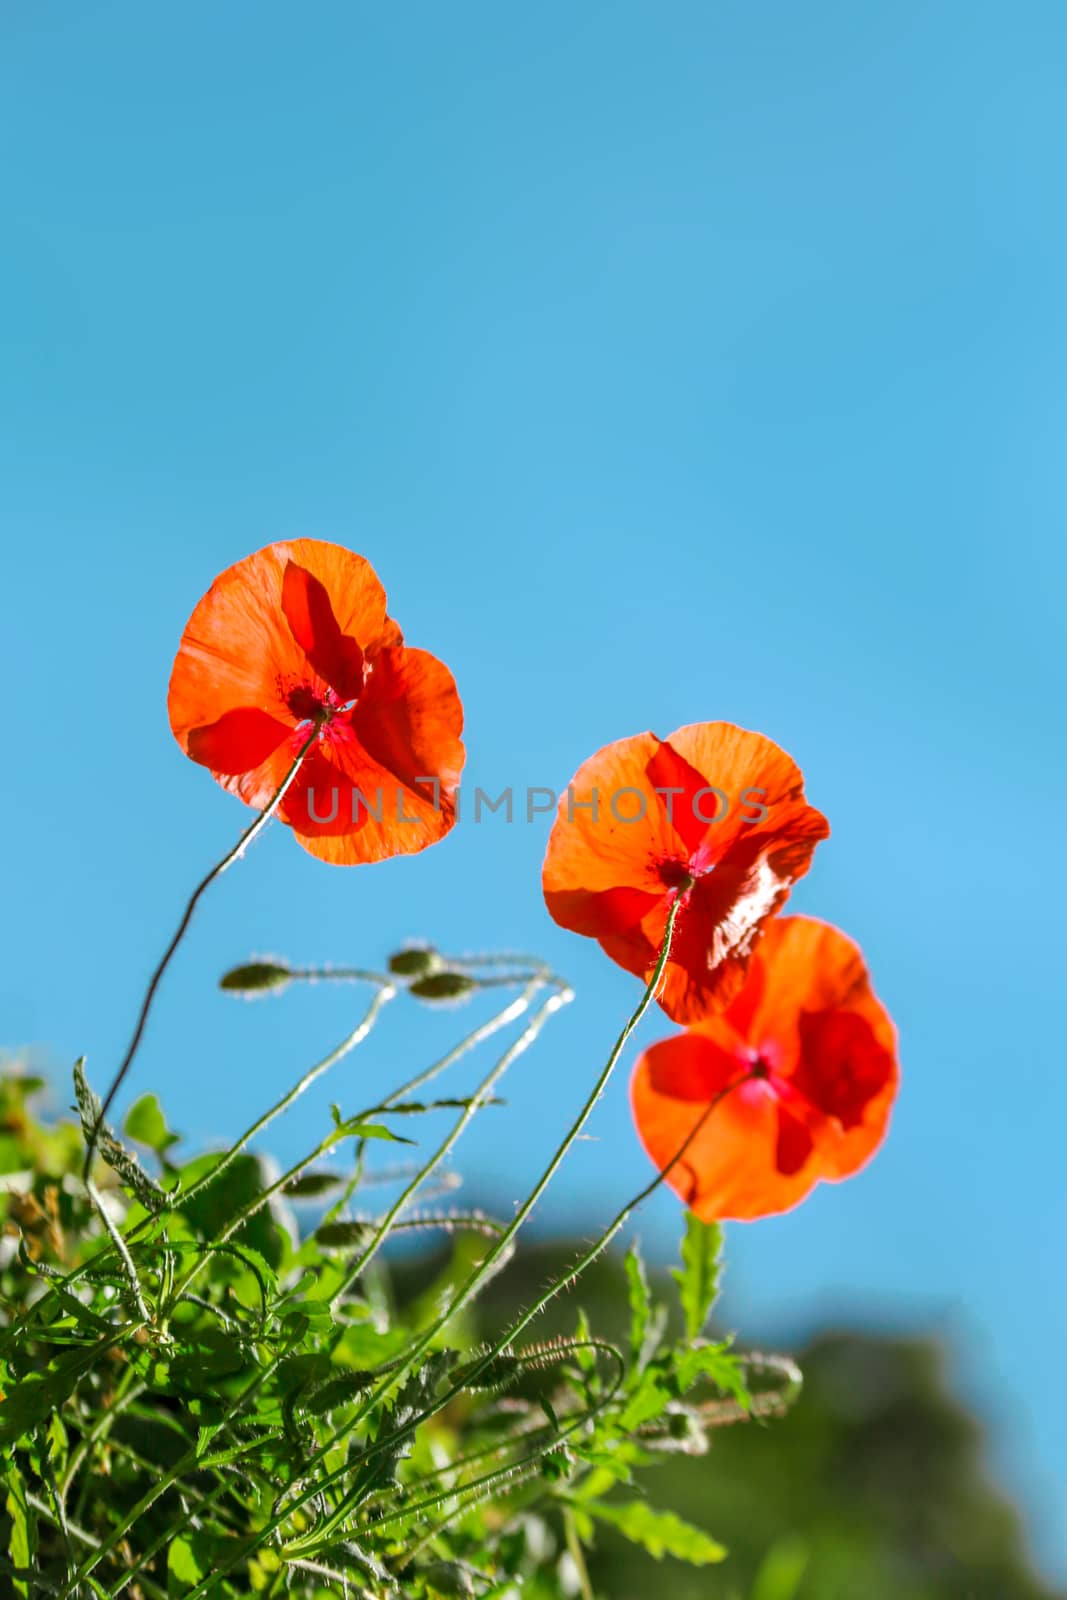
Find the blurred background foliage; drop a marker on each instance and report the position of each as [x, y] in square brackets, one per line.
[873, 1487]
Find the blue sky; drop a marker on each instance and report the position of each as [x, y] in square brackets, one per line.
[669, 364]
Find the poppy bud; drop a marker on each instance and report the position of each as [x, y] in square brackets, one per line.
[415, 962]
[256, 976]
[442, 986]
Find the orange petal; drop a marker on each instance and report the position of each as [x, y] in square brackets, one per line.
[396, 776]
[610, 837]
[238, 741]
[337, 659]
[729, 1170]
[614, 880]
[238, 651]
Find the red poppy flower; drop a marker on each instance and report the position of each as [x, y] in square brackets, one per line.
[295, 638]
[714, 816]
[804, 1060]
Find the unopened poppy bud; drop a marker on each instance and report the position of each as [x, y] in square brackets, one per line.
[256, 976]
[414, 962]
[442, 986]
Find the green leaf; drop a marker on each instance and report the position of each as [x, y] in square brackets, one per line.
[112, 1151]
[130, 1172]
[36, 1396]
[661, 1533]
[89, 1104]
[22, 1545]
[146, 1123]
[650, 1399]
[355, 1129]
[700, 1272]
[713, 1361]
[585, 1357]
[210, 1212]
[640, 1306]
[190, 1558]
[339, 1391]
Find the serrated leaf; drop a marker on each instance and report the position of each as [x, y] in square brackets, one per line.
[716, 1362]
[640, 1306]
[89, 1103]
[109, 1146]
[700, 1273]
[650, 1399]
[585, 1357]
[661, 1533]
[130, 1172]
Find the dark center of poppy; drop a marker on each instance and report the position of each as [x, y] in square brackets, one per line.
[759, 1067]
[676, 875]
[309, 704]
[305, 704]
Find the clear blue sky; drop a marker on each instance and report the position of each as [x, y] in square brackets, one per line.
[669, 363]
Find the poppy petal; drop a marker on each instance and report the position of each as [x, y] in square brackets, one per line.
[794, 1144]
[714, 813]
[684, 794]
[610, 843]
[394, 776]
[729, 1170]
[338, 660]
[842, 1067]
[827, 1050]
[238, 650]
[283, 640]
[238, 741]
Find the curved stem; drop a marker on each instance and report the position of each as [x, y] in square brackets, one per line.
[490, 1261]
[619, 1220]
[250, 833]
[517, 1008]
[485, 1267]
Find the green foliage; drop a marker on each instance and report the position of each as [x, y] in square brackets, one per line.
[659, 1532]
[200, 1398]
[698, 1277]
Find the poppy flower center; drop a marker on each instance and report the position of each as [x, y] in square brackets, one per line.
[677, 875]
[308, 704]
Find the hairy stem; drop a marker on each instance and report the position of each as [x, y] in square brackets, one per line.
[250, 833]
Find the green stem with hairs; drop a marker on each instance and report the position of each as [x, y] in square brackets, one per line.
[251, 832]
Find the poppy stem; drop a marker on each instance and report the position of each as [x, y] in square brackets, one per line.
[619, 1221]
[250, 833]
[491, 1260]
